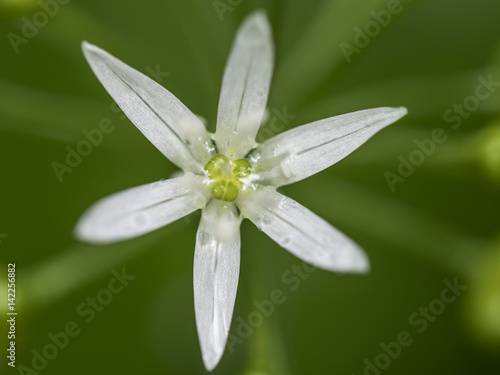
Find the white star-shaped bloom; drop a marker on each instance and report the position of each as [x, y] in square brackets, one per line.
[228, 175]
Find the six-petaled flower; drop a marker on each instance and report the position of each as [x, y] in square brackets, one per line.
[228, 175]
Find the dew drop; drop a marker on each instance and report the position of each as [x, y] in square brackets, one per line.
[288, 167]
[159, 184]
[285, 241]
[266, 220]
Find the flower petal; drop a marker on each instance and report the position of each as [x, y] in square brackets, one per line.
[303, 233]
[158, 114]
[245, 86]
[215, 278]
[308, 149]
[139, 210]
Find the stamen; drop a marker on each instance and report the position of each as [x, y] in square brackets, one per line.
[226, 176]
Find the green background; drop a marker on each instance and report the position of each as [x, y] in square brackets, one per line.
[440, 224]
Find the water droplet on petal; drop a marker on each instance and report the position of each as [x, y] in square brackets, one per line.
[267, 219]
[287, 166]
[285, 241]
[320, 255]
[157, 185]
[254, 108]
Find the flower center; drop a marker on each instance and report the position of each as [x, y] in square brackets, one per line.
[226, 175]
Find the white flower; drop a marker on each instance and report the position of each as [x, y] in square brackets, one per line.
[228, 175]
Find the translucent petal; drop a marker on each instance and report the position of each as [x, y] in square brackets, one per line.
[303, 233]
[245, 86]
[139, 210]
[158, 114]
[308, 149]
[215, 277]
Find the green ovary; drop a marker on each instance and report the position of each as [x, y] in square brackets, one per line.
[225, 176]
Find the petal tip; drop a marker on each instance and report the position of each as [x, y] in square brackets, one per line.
[402, 110]
[87, 47]
[83, 232]
[357, 262]
[90, 51]
[398, 112]
[362, 266]
[258, 15]
[211, 360]
[260, 21]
